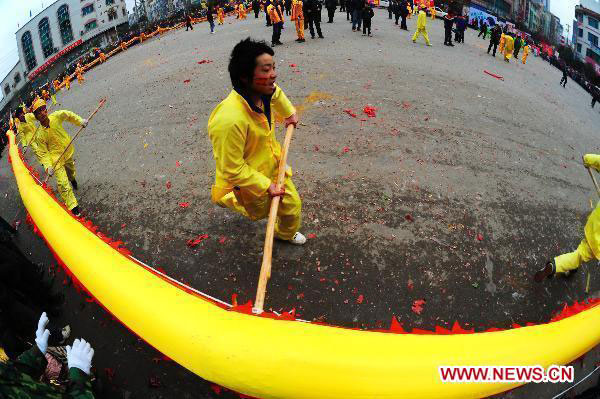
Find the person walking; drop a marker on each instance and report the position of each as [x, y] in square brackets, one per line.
[421, 27]
[188, 22]
[518, 44]
[331, 5]
[563, 81]
[495, 37]
[210, 19]
[482, 29]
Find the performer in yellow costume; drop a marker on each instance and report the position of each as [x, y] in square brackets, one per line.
[509, 47]
[588, 249]
[502, 42]
[422, 27]
[51, 140]
[220, 16]
[246, 151]
[298, 18]
[526, 52]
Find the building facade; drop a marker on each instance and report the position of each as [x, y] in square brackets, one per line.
[586, 32]
[61, 29]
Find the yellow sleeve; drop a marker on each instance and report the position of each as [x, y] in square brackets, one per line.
[228, 146]
[64, 115]
[281, 104]
[591, 161]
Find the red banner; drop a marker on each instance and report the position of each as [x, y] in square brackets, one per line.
[52, 59]
[596, 66]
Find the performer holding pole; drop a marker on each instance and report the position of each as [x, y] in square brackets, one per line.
[246, 151]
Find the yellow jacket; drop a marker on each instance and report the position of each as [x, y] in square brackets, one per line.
[26, 129]
[422, 20]
[509, 45]
[52, 141]
[275, 13]
[245, 147]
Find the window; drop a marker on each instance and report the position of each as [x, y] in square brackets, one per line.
[580, 32]
[6, 89]
[593, 39]
[28, 51]
[91, 25]
[112, 14]
[17, 77]
[593, 22]
[46, 38]
[110, 2]
[64, 24]
[87, 10]
[578, 47]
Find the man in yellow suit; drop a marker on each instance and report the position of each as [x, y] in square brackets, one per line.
[25, 123]
[51, 140]
[298, 18]
[509, 47]
[422, 26]
[502, 42]
[588, 249]
[246, 151]
[220, 16]
[526, 52]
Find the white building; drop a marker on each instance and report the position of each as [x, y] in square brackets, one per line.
[61, 28]
[587, 32]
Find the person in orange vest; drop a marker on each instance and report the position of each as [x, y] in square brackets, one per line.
[298, 18]
[79, 73]
[276, 14]
[67, 81]
[220, 16]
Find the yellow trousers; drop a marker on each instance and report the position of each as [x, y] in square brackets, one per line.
[573, 260]
[289, 214]
[220, 20]
[525, 58]
[64, 175]
[300, 28]
[53, 97]
[421, 32]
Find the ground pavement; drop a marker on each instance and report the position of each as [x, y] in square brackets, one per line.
[458, 189]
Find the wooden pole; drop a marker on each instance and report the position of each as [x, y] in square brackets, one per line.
[100, 105]
[594, 180]
[265, 268]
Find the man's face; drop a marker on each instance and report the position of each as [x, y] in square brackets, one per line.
[41, 114]
[263, 81]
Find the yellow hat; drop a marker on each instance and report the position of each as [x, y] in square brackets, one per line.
[38, 104]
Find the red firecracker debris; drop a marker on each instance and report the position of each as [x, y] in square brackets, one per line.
[370, 111]
[406, 105]
[410, 284]
[479, 237]
[293, 65]
[177, 164]
[184, 204]
[222, 239]
[205, 62]
[216, 389]
[316, 147]
[409, 217]
[195, 241]
[417, 306]
[187, 81]
[123, 225]
[345, 149]
[300, 295]
[168, 184]
[312, 235]
[154, 382]
[360, 298]
[349, 112]
[493, 75]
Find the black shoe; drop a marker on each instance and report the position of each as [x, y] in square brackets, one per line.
[321, 37]
[76, 211]
[301, 40]
[548, 271]
[74, 184]
[279, 43]
[312, 37]
[450, 44]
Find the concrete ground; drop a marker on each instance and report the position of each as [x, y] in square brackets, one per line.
[488, 170]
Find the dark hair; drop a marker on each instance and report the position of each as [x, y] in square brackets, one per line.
[243, 60]
[19, 111]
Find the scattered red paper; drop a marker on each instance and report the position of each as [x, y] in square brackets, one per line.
[479, 237]
[316, 148]
[300, 295]
[494, 75]
[406, 105]
[184, 204]
[216, 389]
[360, 298]
[195, 241]
[205, 62]
[417, 306]
[346, 149]
[187, 81]
[293, 65]
[222, 240]
[349, 112]
[312, 235]
[168, 184]
[177, 164]
[409, 217]
[123, 225]
[370, 111]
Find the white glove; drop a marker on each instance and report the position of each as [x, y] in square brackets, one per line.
[42, 334]
[84, 123]
[80, 356]
[50, 171]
